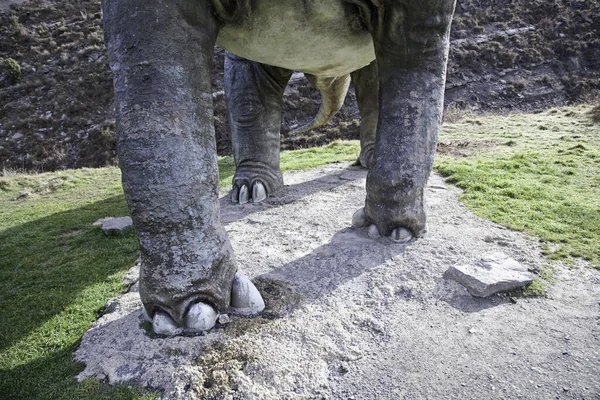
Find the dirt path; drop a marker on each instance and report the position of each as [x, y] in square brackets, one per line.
[353, 318]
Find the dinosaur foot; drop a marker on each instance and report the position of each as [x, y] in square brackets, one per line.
[254, 182]
[245, 301]
[398, 234]
[243, 194]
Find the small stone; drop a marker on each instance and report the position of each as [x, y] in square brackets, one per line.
[343, 369]
[489, 275]
[224, 319]
[17, 136]
[100, 221]
[119, 225]
[23, 194]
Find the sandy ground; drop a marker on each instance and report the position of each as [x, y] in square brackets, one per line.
[352, 318]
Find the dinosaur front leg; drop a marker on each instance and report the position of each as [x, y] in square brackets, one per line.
[161, 56]
[411, 45]
[365, 82]
[254, 95]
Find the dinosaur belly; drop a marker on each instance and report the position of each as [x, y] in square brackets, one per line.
[320, 37]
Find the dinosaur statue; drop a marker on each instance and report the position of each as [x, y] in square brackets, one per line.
[161, 52]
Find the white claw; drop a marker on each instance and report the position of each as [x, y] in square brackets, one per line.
[200, 317]
[373, 232]
[235, 193]
[163, 324]
[401, 235]
[245, 297]
[258, 192]
[244, 195]
[359, 219]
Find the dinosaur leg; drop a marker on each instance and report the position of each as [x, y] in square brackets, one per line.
[411, 45]
[254, 95]
[365, 86]
[161, 56]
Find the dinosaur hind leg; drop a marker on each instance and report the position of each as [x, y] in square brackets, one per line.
[254, 95]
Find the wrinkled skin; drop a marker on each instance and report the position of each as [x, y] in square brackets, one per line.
[161, 53]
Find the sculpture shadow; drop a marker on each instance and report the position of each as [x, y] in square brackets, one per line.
[349, 254]
[231, 212]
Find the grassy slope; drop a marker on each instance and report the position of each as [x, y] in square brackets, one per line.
[538, 173]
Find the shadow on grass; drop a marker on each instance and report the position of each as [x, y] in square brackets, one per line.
[46, 264]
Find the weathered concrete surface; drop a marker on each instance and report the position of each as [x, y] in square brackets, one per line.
[491, 274]
[350, 317]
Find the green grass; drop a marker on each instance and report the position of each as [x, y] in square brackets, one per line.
[539, 173]
[57, 271]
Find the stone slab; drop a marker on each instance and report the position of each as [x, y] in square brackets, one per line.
[118, 225]
[491, 274]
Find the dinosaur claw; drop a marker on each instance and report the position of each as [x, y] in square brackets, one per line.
[244, 196]
[200, 317]
[235, 194]
[245, 298]
[359, 219]
[163, 324]
[259, 192]
[373, 232]
[401, 235]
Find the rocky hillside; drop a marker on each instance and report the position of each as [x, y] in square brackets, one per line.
[56, 91]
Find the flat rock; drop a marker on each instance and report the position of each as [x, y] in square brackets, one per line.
[491, 274]
[118, 225]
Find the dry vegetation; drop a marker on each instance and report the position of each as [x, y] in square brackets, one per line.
[515, 55]
[506, 55]
[60, 114]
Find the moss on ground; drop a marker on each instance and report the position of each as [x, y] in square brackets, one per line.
[13, 70]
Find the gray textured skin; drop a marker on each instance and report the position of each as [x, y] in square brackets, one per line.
[161, 54]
